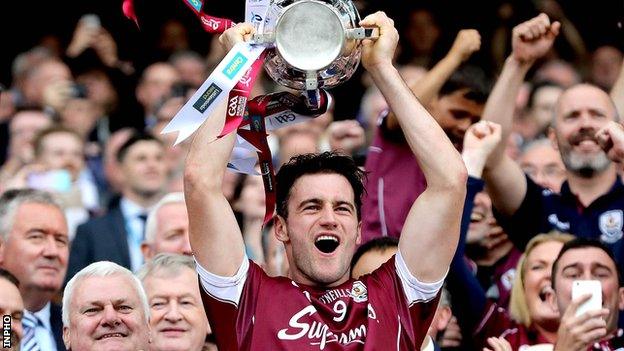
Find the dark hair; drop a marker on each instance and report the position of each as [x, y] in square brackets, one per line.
[581, 243]
[470, 78]
[382, 243]
[135, 138]
[537, 86]
[324, 163]
[6, 275]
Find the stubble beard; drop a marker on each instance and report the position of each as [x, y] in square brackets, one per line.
[585, 166]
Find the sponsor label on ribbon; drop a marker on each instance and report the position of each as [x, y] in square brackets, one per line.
[237, 100]
[213, 90]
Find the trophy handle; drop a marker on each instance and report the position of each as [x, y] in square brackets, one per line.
[362, 33]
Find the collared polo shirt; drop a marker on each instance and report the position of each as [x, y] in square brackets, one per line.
[543, 210]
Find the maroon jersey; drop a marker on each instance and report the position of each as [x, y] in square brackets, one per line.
[393, 183]
[252, 311]
[497, 323]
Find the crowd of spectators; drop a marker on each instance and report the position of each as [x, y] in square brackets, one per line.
[92, 205]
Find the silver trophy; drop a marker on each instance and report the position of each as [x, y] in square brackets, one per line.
[315, 44]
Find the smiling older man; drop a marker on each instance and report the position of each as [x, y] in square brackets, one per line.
[105, 308]
[178, 319]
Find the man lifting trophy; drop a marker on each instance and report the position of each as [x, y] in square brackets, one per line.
[306, 45]
[309, 45]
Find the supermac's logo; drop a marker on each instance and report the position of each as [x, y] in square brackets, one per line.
[207, 98]
[234, 65]
[195, 3]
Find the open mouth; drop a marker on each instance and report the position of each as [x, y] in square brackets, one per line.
[586, 143]
[111, 335]
[326, 243]
[543, 294]
[584, 138]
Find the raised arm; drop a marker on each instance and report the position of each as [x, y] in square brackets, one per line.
[466, 43]
[215, 237]
[530, 40]
[431, 230]
[469, 297]
[617, 92]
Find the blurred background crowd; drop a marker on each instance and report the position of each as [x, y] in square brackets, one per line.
[86, 93]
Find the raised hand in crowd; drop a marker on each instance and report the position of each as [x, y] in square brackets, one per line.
[533, 38]
[530, 41]
[578, 333]
[85, 35]
[346, 136]
[479, 142]
[498, 344]
[611, 139]
[89, 34]
[106, 48]
[553, 9]
[467, 42]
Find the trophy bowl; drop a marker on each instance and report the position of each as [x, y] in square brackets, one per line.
[315, 43]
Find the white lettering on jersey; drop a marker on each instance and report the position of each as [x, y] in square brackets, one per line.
[317, 332]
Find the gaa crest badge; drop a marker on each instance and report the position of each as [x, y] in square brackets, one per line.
[359, 292]
[610, 224]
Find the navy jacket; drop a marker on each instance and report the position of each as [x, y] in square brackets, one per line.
[100, 239]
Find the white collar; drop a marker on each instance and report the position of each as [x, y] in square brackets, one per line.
[44, 315]
[131, 209]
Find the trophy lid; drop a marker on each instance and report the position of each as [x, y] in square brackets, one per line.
[312, 42]
[309, 35]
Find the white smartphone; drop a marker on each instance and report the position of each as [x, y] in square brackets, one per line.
[91, 20]
[582, 287]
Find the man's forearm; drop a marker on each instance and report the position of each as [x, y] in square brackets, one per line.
[427, 88]
[501, 102]
[208, 156]
[215, 237]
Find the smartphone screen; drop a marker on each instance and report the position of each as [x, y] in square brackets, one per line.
[582, 287]
[58, 180]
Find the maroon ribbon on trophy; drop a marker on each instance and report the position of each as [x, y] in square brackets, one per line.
[210, 24]
[261, 109]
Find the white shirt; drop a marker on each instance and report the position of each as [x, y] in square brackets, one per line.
[43, 331]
